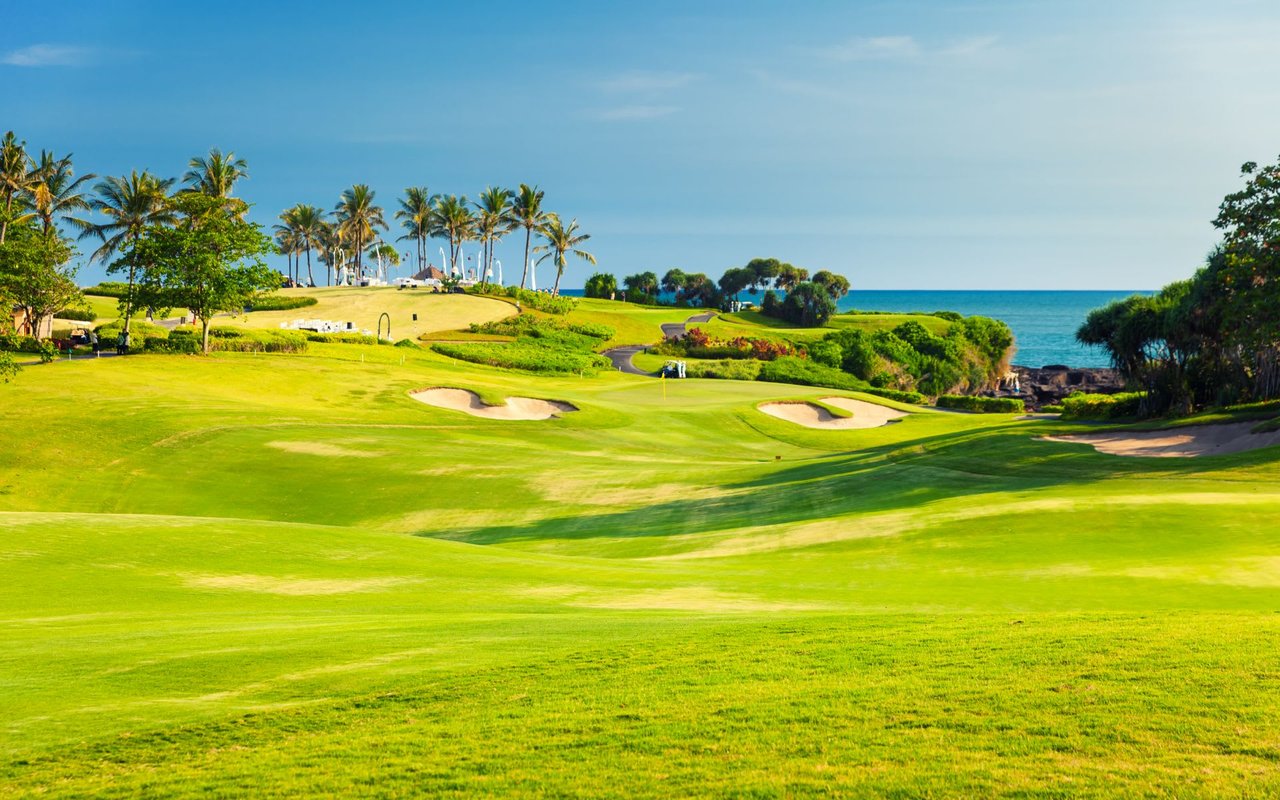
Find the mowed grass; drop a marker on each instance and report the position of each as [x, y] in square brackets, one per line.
[280, 575]
[365, 306]
[755, 324]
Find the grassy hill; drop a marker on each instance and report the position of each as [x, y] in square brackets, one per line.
[754, 323]
[274, 575]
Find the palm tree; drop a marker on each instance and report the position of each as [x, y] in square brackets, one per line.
[329, 240]
[454, 221]
[15, 177]
[528, 214]
[561, 240]
[130, 204]
[308, 228]
[215, 174]
[386, 251]
[55, 191]
[494, 220]
[415, 218]
[359, 219]
[287, 240]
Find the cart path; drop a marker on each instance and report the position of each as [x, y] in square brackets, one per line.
[621, 356]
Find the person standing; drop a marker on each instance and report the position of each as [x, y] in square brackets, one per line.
[93, 342]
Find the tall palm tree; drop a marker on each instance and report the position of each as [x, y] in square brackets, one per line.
[330, 240]
[561, 240]
[55, 191]
[528, 214]
[287, 240]
[454, 221]
[130, 204]
[15, 177]
[308, 229]
[415, 218]
[358, 219]
[494, 220]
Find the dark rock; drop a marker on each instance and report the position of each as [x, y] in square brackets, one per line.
[1049, 385]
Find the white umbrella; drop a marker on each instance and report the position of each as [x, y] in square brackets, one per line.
[499, 263]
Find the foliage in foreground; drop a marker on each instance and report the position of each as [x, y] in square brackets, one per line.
[9, 368]
[982, 405]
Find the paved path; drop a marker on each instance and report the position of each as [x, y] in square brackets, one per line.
[621, 356]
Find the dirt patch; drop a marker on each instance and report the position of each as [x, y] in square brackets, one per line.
[516, 408]
[812, 415]
[1189, 442]
[268, 584]
[326, 449]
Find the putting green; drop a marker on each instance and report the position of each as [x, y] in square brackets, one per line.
[280, 575]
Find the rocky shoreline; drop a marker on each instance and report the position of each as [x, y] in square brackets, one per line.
[1050, 384]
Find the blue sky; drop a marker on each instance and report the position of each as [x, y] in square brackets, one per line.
[905, 144]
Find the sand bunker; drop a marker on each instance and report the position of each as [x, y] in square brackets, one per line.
[470, 403]
[1200, 440]
[811, 415]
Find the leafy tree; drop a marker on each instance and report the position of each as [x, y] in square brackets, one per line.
[9, 368]
[561, 240]
[215, 175]
[359, 218]
[211, 262]
[601, 285]
[453, 220]
[836, 285]
[789, 275]
[808, 305]
[642, 287]
[15, 180]
[527, 213]
[734, 280]
[131, 204]
[56, 192]
[34, 274]
[494, 219]
[763, 271]
[415, 217]
[674, 280]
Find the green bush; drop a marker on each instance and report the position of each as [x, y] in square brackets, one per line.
[280, 302]
[791, 369]
[1051, 408]
[407, 343]
[80, 313]
[139, 330]
[541, 301]
[254, 341]
[345, 338]
[174, 344]
[525, 355]
[114, 289]
[9, 368]
[14, 343]
[1102, 406]
[593, 329]
[728, 369]
[911, 398]
[982, 405]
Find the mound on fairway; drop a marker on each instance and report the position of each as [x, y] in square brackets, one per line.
[812, 415]
[1199, 440]
[522, 408]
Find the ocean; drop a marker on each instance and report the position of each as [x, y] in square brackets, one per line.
[1044, 323]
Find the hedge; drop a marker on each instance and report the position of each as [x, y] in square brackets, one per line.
[1079, 405]
[236, 340]
[982, 405]
[911, 398]
[728, 369]
[278, 302]
[175, 344]
[524, 355]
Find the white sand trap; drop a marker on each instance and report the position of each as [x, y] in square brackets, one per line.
[470, 403]
[1200, 440]
[811, 415]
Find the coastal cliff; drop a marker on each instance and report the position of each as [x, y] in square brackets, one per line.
[1050, 384]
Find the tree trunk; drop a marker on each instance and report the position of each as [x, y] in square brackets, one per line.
[524, 270]
[311, 279]
[204, 336]
[555, 290]
[128, 299]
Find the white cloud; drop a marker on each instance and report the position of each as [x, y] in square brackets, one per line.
[641, 81]
[49, 55]
[634, 112]
[874, 48]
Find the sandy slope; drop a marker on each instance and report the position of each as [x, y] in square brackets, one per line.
[810, 415]
[522, 408]
[1199, 440]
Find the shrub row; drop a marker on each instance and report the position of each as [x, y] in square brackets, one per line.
[982, 405]
[78, 313]
[189, 345]
[114, 289]
[911, 398]
[280, 302]
[345, 338]
[242, 340]
[1102, 406]
[525, 355]
[541, 301]
[735, 369]
[13, 343]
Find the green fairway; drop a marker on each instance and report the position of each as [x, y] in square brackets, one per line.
[364, 307]
[270, 575]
